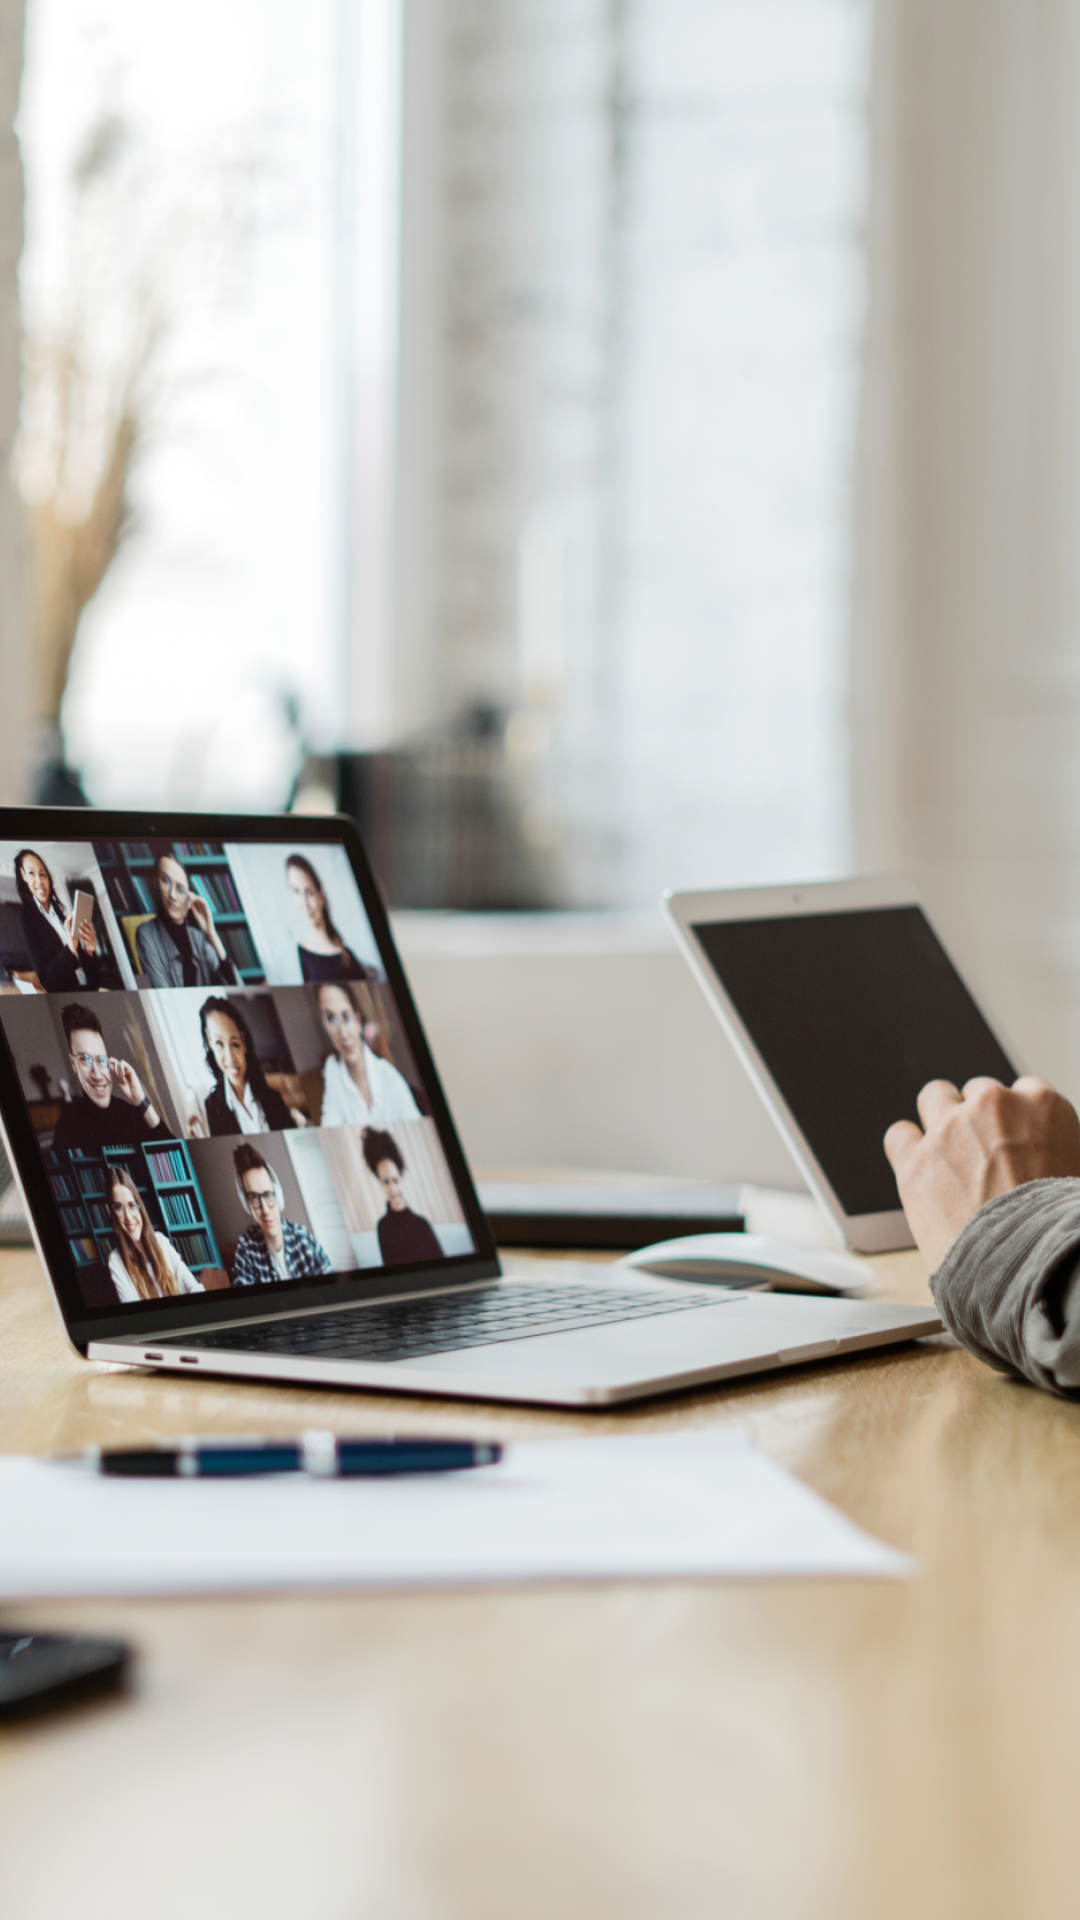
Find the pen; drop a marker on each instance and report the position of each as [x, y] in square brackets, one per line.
[320, 1454]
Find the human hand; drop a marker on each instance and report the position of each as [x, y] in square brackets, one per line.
[201, 914]
[204, 920]
[974, 1144]
[126, 1081]
[87, 938]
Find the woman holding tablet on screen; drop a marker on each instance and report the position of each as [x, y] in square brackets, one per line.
[143, 1265]
[63, 954]
[359, 1089]
[323, 953]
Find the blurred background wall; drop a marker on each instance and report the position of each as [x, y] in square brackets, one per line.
[605, 444]
[966, 627]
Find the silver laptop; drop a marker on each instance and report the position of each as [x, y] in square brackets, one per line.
[237, 1158]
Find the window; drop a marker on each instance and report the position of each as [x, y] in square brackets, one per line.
[506, 364]
[203, 327]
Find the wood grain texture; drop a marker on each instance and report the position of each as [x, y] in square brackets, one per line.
[675, 1751]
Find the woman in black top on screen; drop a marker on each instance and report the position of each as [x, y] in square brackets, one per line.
[242, 1100]
[63, 956]
[323, 953]
[403, 1234]
[181, 946]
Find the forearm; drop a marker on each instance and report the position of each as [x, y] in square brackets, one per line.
[1009, 1287]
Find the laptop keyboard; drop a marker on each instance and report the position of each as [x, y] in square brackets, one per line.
[413, 1329]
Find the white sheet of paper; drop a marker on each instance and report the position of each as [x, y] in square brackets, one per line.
[638, 1508]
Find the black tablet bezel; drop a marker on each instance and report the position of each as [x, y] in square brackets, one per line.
[885, 1232]
[147, 1318]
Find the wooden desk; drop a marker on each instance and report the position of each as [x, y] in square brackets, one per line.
[675, 1752]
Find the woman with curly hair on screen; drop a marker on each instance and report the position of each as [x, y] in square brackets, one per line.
[403, 1234]
[242, 1099]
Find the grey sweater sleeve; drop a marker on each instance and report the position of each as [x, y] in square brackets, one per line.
[1009, 1287]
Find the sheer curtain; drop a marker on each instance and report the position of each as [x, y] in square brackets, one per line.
[966, 648]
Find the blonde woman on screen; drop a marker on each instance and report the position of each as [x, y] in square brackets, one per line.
[359, 1089]
[143, 1265]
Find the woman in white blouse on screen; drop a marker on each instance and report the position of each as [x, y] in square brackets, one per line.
[359, 1089]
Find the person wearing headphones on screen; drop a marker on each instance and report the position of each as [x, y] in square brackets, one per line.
[990, 1184]
[273, 1248]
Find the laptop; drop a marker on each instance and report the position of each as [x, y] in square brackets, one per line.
[237, 1158]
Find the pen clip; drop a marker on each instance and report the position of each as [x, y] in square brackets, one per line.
[319, 1454]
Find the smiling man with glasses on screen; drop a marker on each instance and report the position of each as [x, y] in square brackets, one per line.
[113, 1108]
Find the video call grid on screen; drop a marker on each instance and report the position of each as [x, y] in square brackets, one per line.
[217, 1074]
[852, 1014]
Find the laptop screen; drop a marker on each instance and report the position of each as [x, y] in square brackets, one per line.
[225, 1088]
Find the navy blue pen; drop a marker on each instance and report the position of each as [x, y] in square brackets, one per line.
[322, 1455]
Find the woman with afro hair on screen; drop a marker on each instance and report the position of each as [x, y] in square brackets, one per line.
[404, 1236]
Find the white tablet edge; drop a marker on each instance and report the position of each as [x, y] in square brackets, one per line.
[863, 1233]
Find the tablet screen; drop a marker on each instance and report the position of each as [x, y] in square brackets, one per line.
[853, 1013]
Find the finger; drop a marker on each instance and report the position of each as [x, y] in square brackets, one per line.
[982, 1083]
[1030, 1083]
[935, 1101]
[900, 1142]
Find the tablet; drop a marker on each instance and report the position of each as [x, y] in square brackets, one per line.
[841, 1002]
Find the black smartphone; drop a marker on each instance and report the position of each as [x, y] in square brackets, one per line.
[39, 1669]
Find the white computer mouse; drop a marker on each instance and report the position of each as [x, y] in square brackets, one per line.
[751, 1260]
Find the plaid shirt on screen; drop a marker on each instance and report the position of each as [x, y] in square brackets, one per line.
[254, 1262]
